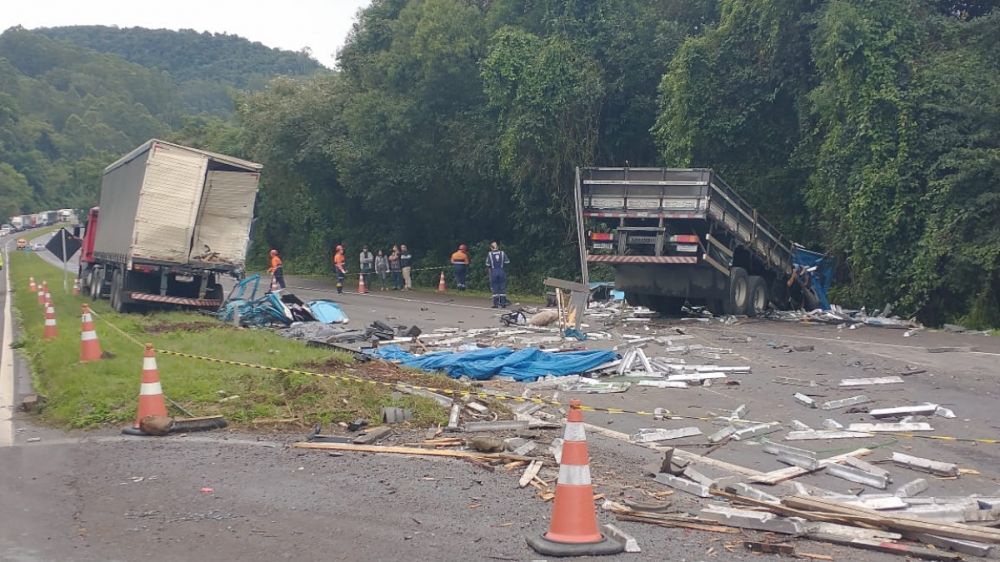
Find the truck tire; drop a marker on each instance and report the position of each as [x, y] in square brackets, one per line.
[739, 292]
[810, 299]
[757, 303]
[117, 288]
[96, 282]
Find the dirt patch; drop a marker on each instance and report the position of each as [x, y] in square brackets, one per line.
[383, 371]
[167, 327]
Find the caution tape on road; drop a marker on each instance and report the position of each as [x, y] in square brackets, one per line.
[467, 393]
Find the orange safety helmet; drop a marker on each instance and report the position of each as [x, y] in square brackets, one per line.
[463, 247]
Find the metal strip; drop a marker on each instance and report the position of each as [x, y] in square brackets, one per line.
[711, 261]
[722, 247]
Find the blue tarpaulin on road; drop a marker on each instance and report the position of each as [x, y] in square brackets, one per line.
[822, 276]
[521, 365]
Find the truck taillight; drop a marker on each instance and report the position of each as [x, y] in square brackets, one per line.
[684, 239]
[601, 236]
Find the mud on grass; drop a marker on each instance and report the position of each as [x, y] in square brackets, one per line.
[106, 392]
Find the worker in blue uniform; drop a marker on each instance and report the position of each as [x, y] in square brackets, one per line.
[496, 261]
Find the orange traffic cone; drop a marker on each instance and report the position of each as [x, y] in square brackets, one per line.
[41, 292]
[151, 402]
[573, 530]
[31, 285]
[441, 287]
[90, 346]
[48, 297]
[76, 287]
[51, 332]
[362, 289]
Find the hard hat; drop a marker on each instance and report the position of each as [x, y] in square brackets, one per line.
[463, 247]
[274, 252]
[340, 248]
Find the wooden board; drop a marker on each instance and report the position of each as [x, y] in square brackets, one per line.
[780, 475]
[408, 451]
[898, 522]
[529, 473]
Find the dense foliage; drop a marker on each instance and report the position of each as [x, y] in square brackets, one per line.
[67, 111]
[870, 130]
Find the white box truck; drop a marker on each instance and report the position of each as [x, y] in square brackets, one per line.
[172, 219]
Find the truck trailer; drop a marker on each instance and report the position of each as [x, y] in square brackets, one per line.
[171, 221]
[683, 235]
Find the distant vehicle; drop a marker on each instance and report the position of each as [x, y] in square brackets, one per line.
[676, 235]
[22, 243]
[172, 219]
[6, 229]
[17, 222]
[37, 247]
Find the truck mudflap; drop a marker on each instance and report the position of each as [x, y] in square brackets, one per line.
[182, 301]
[642, 259]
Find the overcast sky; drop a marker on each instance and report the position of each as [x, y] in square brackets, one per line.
[321, 25]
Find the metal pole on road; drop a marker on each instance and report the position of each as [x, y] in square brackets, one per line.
[65, 259]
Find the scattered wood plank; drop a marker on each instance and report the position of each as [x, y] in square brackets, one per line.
[812, 556]
[352, 447]
[529, 473]
[780, 475]
[896, 522]
[676, 523]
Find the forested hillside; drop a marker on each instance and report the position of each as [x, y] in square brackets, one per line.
[67, 111]
[207, 67]
[870, 130]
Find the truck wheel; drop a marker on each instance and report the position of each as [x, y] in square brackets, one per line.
[757, 304]
[117, 288]
[634, 299]
[96, 281]
[739, 292]
[810, 298]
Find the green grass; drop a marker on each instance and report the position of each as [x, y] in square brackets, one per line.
[105, 392]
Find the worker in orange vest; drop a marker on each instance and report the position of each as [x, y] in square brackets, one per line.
[460, 262]
[340, 267]
[276, 270]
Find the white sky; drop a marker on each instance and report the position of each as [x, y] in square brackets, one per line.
[321, 25]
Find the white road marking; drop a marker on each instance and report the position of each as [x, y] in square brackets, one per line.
[6, 363]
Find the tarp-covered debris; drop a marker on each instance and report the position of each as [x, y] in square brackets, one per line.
[818, 269]
[521, 365]
[244, 307]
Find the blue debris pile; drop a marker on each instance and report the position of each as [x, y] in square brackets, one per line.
[244, 307]
[523, 365]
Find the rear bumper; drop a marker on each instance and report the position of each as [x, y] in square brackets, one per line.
[181, 301]
[698, 281]
[643, 259]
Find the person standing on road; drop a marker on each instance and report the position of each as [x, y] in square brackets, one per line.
[340, 267]
[406, 265]
[381, 269]
[367, 261]
[460, 262]
[395, 269]
[496, 260]
[276, 270]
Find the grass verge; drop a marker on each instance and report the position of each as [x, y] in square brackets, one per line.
[105, 392]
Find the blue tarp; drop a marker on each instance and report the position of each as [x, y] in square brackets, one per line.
[327, 311]
[822, 277]
[482, 364]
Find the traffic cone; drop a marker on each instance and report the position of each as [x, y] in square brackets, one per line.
[573, 530]
[76, 287]
[41, 292]
[48, 297]
[51, 332]
[362, 288]
[31, 285]
[151, 402]
[441, 287]
[90, 346]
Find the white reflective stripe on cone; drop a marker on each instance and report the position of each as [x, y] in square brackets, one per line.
[87, 336]
[574, 475]
[87, 318]
[150, 389]
[50, 321]
[149, 363]
[574, 432]
[49, 310]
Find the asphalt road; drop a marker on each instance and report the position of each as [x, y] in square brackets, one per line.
[228, 496]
